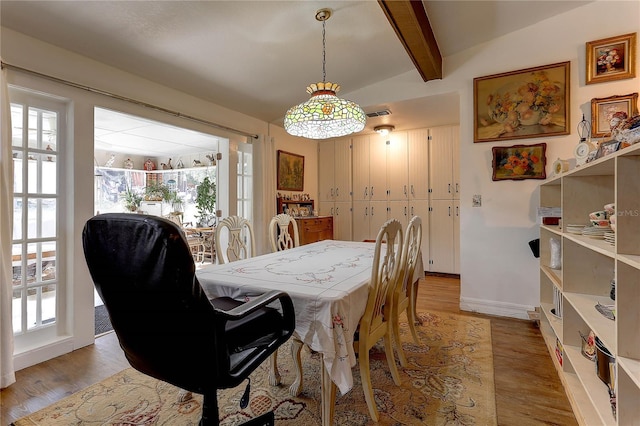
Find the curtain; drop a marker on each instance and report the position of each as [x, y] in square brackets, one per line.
[7, 373]
[264, 182]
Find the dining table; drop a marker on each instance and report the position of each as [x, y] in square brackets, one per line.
[328, 282]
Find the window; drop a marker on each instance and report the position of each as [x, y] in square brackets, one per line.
[37, 140]
[245, 179]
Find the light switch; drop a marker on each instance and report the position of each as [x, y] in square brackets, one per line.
[477, 200]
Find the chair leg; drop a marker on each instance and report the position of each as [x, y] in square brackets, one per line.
[395, 333]
[210, 416]
[412, 317]
[388, 347]
[365, 377]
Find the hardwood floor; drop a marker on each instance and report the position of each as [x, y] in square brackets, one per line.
[528, 390]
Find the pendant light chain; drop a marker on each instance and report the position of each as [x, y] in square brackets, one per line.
[324, 53]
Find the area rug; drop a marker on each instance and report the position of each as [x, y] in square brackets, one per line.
[448, 381]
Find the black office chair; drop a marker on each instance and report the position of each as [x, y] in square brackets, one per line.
[143, 270]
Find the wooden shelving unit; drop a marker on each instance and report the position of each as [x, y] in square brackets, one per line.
[587, 268]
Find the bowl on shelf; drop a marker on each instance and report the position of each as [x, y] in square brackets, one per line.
[610, 209]
[599, 215]
[600, 223]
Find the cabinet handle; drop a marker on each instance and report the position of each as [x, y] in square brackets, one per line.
[405, 189]
[449, 189]
[366, 211]
[372, 191]
[457, 210]
[449, 211]
[371, 210]
[366, 191]
[411, 211]
[331, 192]
[337, 192]
[412, 191]
[405, 210]
[457, 188]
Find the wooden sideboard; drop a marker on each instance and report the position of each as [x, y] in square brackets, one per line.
[315, 228]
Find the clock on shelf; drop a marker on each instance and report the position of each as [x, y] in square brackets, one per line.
[582, 151]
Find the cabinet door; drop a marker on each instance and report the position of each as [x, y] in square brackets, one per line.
[342, 221]
[418, 164]
[361, 219]
[378, 216]
[421, 208]
[399, 210]
[397, 166]
[441, 162]
[441, 248]
[378, 168]
[360, 153]
[326, 170]
[456, 236]
[455, 161]
[342, 169]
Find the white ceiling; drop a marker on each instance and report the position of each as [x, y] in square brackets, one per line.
[257, 57]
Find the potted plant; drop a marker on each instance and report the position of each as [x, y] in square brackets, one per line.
[206, 202]
[156, 192]
[131, 199]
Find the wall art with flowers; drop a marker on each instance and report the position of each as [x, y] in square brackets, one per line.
[611, 59]
[528, 103]
[519, 162]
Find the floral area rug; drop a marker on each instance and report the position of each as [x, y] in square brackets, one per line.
[448, 381]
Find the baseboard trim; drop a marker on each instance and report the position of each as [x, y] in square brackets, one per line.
[491, 307]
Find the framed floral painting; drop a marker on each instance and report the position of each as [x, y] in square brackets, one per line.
[290, 171]
[603, 110]
[611, 59]
[528, 103]
[519, 162]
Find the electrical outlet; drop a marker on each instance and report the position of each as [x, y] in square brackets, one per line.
[477, 200]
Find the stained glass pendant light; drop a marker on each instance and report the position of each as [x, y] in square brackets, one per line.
[324, 115]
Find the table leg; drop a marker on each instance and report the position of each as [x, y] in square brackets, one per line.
[328, 397]
[296, 386]
[274, 374]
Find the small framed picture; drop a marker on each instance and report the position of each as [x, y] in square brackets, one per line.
[603, 109]
[611, 59]
[607, 148]
[519, 162]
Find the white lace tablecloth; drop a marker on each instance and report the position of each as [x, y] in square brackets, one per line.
[328, 283]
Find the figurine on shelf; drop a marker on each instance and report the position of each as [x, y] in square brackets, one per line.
[625, 129]
[212, 159]
[110, 161]
[167, 165]
[180, 164]
[128, 164]
[149, 165]
[197, 163]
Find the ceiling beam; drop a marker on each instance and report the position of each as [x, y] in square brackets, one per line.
[411, 24]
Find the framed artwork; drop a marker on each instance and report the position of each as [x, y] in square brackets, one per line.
[603, 109]
[528, 103]
[607, 148]
[519, 162]
[611, 59]
[290, 171]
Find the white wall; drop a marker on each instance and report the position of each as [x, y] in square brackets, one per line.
[499, 274]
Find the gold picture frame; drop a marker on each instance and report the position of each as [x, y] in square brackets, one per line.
[527, 103]
[611, 59]
[519, 162]
[602, 110]
[290, 171]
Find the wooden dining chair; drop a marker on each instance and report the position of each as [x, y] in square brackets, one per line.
[375, 324]
[194, 239]
[238, 233]
[403, 297]
[279, 235]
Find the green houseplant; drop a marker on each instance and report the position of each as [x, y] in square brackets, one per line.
[131, 199]
[206, 202]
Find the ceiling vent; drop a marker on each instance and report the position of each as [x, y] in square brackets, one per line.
[379, 113]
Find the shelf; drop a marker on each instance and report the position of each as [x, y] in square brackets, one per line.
[585, 304]
[554, 321]
[595, 244]
[552, 228]
[595, 389]
[632, 367]
[555, 275]
[631, 260]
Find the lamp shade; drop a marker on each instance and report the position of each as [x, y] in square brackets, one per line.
[324, 115]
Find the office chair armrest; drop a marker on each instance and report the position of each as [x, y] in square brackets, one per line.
[259, 302]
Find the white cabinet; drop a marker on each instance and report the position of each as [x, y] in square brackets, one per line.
[334, 185]
[418, 186]
[151, 207]
[380, 182]
[444, 193]
[587, 267]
